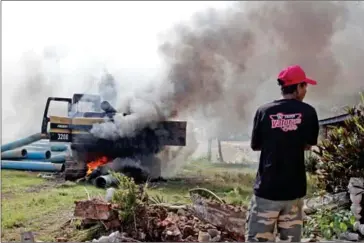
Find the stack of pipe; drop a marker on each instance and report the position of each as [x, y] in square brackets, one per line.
[33, 153]
[356, 190]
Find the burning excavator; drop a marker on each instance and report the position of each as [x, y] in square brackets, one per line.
[92, 158]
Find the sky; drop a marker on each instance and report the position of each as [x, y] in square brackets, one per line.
[96, 27]
[120, 34]
[124, 37]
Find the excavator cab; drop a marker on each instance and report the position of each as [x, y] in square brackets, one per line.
[46, 118]
[85, 105]
[80, 105]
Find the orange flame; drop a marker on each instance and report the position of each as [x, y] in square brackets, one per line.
[96, 163]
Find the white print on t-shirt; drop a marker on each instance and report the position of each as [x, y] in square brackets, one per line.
[287, 122]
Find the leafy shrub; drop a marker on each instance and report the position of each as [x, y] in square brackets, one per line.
[328, 224]
[128, 196]
[342, 152]
[311, 162]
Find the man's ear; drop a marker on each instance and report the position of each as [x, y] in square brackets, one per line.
[302, 85]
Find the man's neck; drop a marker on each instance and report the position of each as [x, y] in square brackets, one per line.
[290, 97]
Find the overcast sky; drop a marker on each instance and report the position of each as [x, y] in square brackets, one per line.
[121, 34]
[98, 27]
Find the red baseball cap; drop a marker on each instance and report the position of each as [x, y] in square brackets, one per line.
[294, 75]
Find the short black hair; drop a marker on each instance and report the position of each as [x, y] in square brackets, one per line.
[289, 89]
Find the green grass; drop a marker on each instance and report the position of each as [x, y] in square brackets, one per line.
[17, 181]
[30, 203]
[232, 182]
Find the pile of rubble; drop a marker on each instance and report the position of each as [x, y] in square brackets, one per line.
[356, 190]
[353, 199]
[203, 221]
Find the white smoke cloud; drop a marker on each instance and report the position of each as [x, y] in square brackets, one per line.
[216, 69]
[70, 44]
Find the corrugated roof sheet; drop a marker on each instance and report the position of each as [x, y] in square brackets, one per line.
[334, 119]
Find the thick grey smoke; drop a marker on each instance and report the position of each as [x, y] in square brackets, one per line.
[143, 107]
[108, 89]
[224, 63]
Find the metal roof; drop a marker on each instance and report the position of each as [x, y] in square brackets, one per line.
[334, 119]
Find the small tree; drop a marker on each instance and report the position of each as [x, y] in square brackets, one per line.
[341, 154]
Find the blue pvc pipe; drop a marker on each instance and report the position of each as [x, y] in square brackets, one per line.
[60, 158]
[22, 142]
[31, 166]
[35, 155]
[58, 148]
[53, 147]
[38, 144]
[36, 148]
[57, 159]
[14, 154]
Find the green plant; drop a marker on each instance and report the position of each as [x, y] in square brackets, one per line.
[342, 152]
[157, 199]
[311, 162]
[314, 186]
[328, 224]
[128, 196]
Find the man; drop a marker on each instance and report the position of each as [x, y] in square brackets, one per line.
[282, 130]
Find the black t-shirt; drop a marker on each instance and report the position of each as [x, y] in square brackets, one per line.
[282, 129]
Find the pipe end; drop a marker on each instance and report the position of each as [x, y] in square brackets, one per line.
[47, 154]
[24, 153]
[63, 167]
[100, 182]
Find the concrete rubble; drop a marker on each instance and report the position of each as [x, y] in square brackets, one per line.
[202, 221]
[331, 201]
[356, 190]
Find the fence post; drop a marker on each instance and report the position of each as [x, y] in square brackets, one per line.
[221, 158]
[209, 149]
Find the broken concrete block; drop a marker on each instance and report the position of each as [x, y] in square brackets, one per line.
[329, 200]
[356, 190]
[231, 219]
[203, 237]
[94, 209]
[349, 236]
[213, 232]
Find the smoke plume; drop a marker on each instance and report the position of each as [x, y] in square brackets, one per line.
[224, 63]
[217, 68]
[108, 89]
